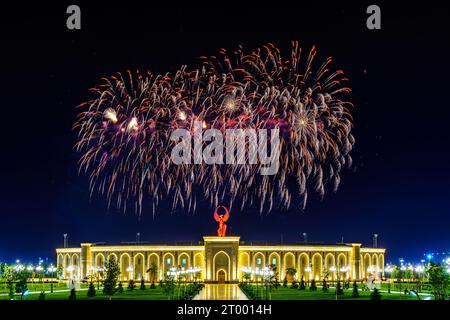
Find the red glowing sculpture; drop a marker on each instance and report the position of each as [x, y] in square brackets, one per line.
[221, 219]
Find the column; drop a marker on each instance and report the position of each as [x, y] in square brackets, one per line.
[85, 260]
[355, 262]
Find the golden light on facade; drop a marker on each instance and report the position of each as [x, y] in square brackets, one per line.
[220, 259]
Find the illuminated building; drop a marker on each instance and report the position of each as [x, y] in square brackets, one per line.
[220, 259]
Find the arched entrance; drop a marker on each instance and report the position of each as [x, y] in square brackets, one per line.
[221, 276]
[221, 262]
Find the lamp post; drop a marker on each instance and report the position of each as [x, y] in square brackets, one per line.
[333, 272]
[39, 273]
[410, 273]
[99, 270]
[402, 270]
[309, 271]
[130, 271]
[171, 273]
[30, 269]
[52, 270]
[268, 273]
[19, 267]
[344, 270]
[389, 271]
[419, 270]
[70, 270]
[265, 273]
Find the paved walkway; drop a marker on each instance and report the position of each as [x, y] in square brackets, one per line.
[221, 292]
[47, 290]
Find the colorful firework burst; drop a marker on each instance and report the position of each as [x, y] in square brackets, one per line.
[124, 131]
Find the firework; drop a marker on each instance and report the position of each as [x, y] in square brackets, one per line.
[124, 130]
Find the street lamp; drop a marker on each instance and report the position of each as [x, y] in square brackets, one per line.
[70, 270]
[99, 270]
[309, 270]
[389, 269]
[52, 270]
[19, 267]
[265, 273]
[130, 270]
[333, 271]
[419, 270]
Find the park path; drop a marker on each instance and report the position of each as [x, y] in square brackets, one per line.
[221, 292]
[48, 291]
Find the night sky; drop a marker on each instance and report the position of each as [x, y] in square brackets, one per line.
[398, 187]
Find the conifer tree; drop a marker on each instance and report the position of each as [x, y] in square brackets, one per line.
[142, 285]
[131, 285]
[324, 285]
[111, 278]
[91, 291]
[375, 295]
[73, 295]
[355, 293]
[313, 286]
[302, 284]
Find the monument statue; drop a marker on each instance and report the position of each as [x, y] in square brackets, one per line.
[221, 219]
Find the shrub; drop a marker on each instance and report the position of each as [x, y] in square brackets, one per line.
[142, 285]
[41, 296]
[355, 293]
[302, 284]
[276, 283]
[439, 280]
[339, 290]
[91, 291]
[73, 295]
[294, 285]
[313, 286]
[324, 285]
[131, 285]
[21, 284]
[375, 295]
[285, 282]
[247, 289]
[120, 288]
[152, 286]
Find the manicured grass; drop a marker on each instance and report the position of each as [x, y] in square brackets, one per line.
[36, 286]
[148, 294]
[425, 288]
[157, 293]
[295, 294]
[283, 293]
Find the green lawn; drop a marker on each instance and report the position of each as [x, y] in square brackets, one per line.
[295, 294]
[148, 294]
[425, 288]
[157, 293]
[283, 293]
[43, 286]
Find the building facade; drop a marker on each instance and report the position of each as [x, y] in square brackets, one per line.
[220, 259]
